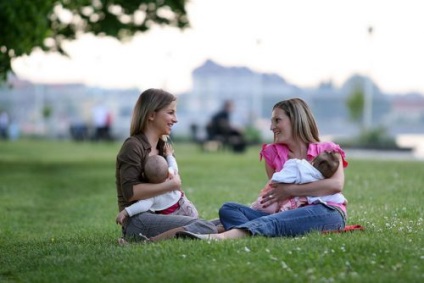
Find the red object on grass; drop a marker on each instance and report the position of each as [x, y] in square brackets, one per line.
[348, 228]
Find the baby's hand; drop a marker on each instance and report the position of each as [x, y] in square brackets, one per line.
[176, 181]
[168, 149]
[121, 217]
[171, 172]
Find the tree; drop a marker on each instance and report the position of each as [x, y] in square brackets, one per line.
[355, 104]
[46, 24]
[368, 137]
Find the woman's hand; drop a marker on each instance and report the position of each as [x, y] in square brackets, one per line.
[176, 180]
[278, 192]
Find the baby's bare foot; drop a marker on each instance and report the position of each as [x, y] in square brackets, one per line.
[122, 242]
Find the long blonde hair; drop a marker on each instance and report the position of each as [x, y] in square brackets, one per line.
[304, 127]
[150, 100]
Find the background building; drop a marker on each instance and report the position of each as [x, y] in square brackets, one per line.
[50, 110]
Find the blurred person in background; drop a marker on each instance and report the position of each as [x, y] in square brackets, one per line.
[220, 129]
[4, 125]
[102, 120]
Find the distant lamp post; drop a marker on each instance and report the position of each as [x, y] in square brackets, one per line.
[258, 95]
[368, 89]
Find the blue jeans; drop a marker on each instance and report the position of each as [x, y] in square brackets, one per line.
[291, 223]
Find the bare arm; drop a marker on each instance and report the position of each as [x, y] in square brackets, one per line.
[269, 171]
[147, 190]
[328, 186]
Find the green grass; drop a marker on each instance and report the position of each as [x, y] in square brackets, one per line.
[58, 205]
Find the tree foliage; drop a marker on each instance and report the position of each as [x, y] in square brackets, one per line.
[46, 24]
[355, 104]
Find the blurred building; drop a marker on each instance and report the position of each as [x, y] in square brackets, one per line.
[53, 109]
[256, 93]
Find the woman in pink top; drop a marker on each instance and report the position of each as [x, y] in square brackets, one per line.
[295, 136]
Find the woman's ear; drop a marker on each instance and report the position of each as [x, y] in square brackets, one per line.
[151, 116]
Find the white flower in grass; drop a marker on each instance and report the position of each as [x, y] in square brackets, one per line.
[309, 271]
[354, 274]
[273, 258]
[183, 256]
[285, 266]
[397, 266]
[246, 249]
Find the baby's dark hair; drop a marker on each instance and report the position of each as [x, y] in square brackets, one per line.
[327, 163]
[156, 169]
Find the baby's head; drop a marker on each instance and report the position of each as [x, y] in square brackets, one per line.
[327, 163]
[156, 169]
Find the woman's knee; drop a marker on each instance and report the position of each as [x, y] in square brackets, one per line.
[227, 207]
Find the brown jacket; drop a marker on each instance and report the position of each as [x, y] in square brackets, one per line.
[130, 163]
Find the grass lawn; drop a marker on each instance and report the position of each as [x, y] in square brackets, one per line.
[58, 206]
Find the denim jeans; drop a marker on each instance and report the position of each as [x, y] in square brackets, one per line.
[290, 223]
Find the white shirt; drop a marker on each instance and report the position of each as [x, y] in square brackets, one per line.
[300, 171]
[159, 202]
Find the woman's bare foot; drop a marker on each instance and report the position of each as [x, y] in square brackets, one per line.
[166, 235]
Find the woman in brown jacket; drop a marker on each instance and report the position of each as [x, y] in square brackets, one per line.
[153, 116]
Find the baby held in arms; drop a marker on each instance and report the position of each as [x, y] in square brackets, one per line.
[300, 171]
[157, 170]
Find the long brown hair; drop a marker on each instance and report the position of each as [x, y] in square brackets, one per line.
[304, 127]
[150, 100]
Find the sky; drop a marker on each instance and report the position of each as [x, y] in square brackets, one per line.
[304, 41]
